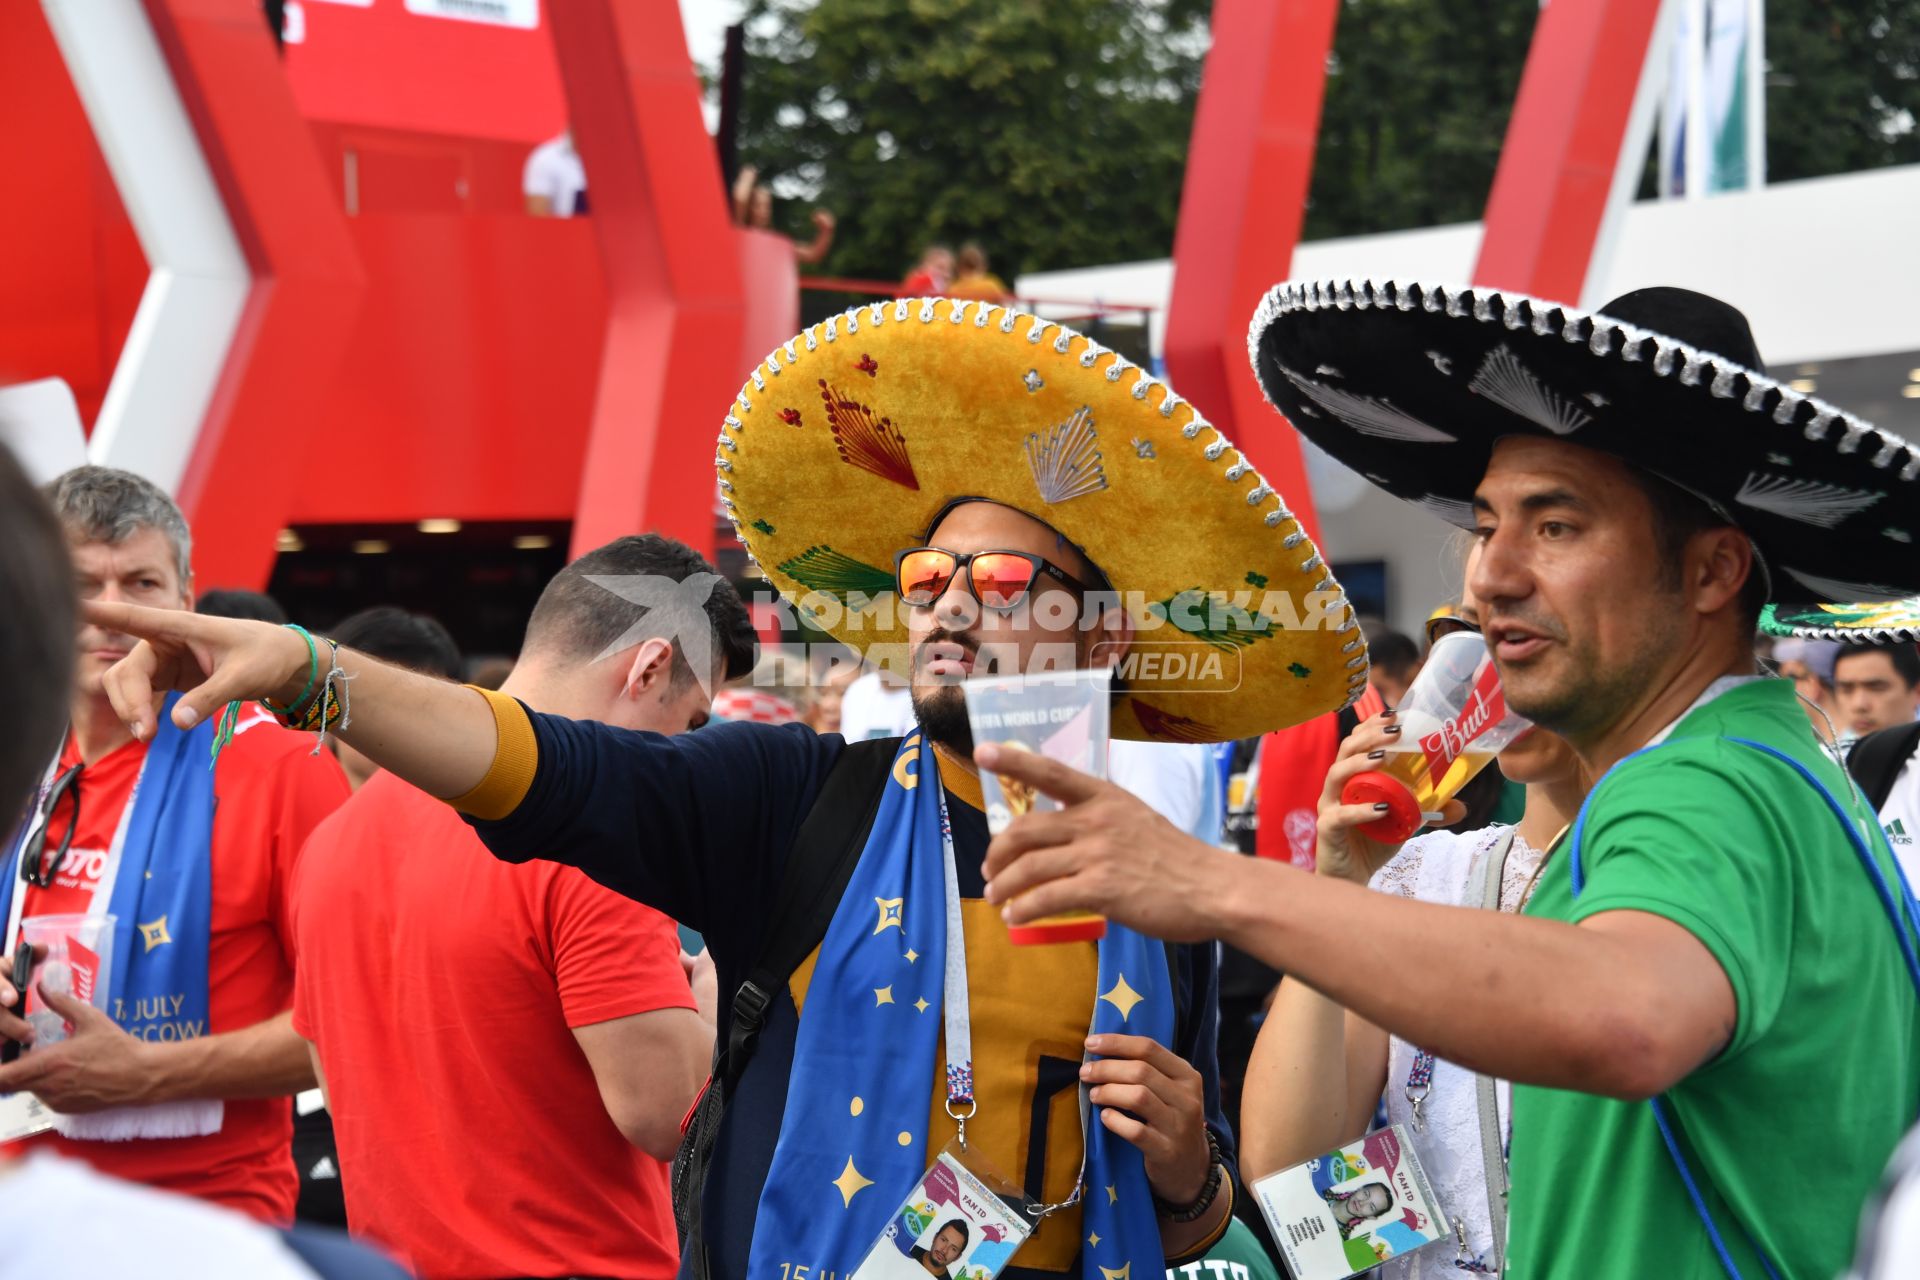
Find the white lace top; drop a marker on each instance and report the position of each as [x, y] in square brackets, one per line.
[1438, 868]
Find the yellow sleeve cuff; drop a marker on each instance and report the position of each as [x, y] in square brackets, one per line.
[516, 755]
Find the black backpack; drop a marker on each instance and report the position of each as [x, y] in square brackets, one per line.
[821, 862]
[1876, 760]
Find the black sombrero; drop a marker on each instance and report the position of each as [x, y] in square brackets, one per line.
[1411, 385]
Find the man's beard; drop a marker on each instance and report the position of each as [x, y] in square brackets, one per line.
[942, 714]
[1589, 699]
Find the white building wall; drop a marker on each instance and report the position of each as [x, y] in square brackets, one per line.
[1825, 269]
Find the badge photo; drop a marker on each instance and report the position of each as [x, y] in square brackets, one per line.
[1352, 1209]
[952, 1227]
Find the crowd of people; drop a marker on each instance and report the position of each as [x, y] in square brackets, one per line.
[655, 959]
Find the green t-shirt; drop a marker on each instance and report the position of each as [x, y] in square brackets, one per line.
[1237, 1255]
[1788, 1128]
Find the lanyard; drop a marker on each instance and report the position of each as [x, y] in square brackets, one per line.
[961, 1104]
[109, 872]
[957, 1014]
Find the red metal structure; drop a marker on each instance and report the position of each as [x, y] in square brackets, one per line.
[1241, 210]
[1551, 194]
[671, 359]
[414, 345]
[306, 285]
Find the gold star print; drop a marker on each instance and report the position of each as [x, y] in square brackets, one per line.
[851, 1183]
[155, 934]
[921, 1004]
[1122, 997]
[890, 909]
[1122, 1274]
[1094, 1240]
[1113, 1196]
[882, 995]
[912, 955]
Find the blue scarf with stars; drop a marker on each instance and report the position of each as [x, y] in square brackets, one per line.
[163, 903]
[853, 1139]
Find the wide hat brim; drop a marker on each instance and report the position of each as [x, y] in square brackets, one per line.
[1868, 622]
[1412, 385]
[847, 443]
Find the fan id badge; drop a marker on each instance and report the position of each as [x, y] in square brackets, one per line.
[1352, 1209]
[962, 1221]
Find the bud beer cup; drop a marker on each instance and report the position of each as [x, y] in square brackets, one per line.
[1453, 720]
[78, 962]
[1062, 715]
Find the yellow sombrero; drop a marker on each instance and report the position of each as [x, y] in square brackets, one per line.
[844, 446]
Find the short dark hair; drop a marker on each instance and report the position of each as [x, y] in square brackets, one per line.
[36, 644]
[1906, 662]
[966, 1232]
[411, 640]
[1677, 517]
[581, 618]
[1395, 654]
[233, 602]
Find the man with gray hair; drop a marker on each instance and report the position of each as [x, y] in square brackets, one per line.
[183, 1081]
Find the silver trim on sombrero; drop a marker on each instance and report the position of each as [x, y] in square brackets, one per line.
[1846, 635]
[1763, 395]
[902, 311]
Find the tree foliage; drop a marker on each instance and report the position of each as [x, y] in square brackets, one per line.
[1418, 95]
[1843, 86]
[1055, 131]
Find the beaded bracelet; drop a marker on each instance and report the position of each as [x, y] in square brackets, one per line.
[1209, 1190]
[313, 676]
[326, 711]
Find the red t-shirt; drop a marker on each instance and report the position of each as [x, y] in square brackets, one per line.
[269, 794]
[441, 986]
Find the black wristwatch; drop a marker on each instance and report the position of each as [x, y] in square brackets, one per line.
[1209, 1192]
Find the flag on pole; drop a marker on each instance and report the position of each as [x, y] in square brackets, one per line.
[1712, 121]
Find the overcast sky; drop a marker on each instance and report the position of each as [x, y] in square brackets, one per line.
[706, 22]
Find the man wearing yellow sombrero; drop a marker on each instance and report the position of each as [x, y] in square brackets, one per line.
[936, 483]
[1707, 1008]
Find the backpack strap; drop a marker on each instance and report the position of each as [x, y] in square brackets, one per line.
[820, 863]
[1876, 760]
[825, 851]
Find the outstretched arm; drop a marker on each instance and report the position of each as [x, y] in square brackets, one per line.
[1624, 1004]
[439, 736]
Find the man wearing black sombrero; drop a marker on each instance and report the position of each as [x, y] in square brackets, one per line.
[1722, 933]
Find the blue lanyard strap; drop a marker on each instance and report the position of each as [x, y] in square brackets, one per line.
[1904, 915]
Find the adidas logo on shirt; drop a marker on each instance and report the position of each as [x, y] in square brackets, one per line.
[1897, 833]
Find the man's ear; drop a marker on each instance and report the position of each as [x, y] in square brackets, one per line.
[1720, 562]
[649, 669]
[1113, 635]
